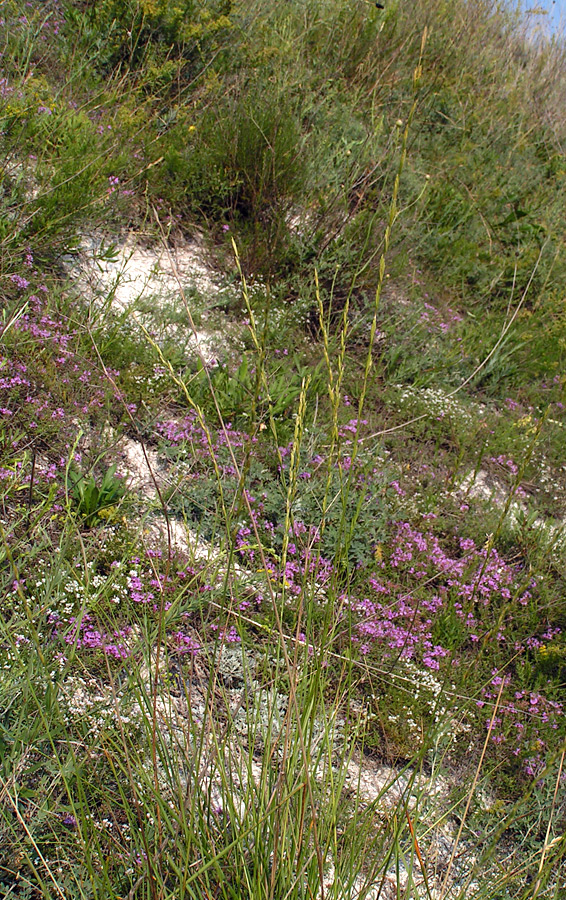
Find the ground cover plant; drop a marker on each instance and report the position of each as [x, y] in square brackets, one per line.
[281, 549]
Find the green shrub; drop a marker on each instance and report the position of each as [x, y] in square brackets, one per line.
[172, 40]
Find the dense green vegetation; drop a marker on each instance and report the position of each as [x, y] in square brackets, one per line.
[319, 648]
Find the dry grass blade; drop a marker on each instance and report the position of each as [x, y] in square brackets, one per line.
[471, 792]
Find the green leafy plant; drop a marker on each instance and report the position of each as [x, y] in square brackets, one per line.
[170, 39]
[236, 391]
[93, 502]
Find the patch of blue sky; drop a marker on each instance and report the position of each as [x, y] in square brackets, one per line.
[547, 14]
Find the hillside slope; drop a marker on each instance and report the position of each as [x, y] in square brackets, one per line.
[283, 469]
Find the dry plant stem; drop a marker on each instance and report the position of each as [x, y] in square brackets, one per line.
[392, 216]
[14, 804]
[244, 833]
[546, 844]
[160, 636]
[391, 219]
[418, 852]
[14, 319]
[479, 367]
[471, 792]
[334, 394]
[132, 784]
[288, 664]
[370, 669]
[523, 868]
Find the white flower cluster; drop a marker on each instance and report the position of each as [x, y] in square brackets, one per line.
[440, 405]
[70, 594]
[432, 693]
[86, 699]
